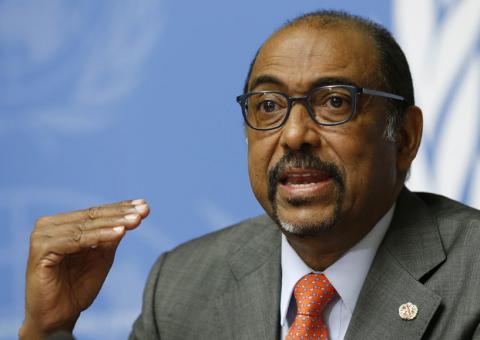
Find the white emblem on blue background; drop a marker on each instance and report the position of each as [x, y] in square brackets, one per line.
[442, 42]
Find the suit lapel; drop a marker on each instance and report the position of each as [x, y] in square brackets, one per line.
[249, 309]
[411, 249]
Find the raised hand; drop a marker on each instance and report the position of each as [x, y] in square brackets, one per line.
[70, 256]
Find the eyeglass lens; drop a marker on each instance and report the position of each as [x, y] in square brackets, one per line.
[328, 105]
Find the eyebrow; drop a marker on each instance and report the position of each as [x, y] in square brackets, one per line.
[266, 79]
[324, 81]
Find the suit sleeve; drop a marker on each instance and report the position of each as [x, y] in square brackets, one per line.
[145, 326]
[476, 335]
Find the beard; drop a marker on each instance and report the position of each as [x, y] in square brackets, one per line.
[304, 159]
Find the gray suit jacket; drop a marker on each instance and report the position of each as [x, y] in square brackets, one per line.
[226, 285]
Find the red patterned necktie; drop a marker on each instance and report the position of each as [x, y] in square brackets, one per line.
[312, 293]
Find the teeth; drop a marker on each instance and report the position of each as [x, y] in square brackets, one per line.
[301, 175]
[301, 185]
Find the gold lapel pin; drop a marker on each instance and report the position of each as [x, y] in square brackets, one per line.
[408, 311]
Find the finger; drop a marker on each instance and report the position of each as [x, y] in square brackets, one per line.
[107, 210]
[130, 221]
[51, 250]
[138, 206]
[75, 229]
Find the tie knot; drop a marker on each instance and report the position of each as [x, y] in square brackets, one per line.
[312, 293]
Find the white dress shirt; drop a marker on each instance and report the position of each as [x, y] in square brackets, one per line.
[347, 275]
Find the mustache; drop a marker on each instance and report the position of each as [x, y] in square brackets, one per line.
[303, 159]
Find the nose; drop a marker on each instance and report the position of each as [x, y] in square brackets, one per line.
[300, 131]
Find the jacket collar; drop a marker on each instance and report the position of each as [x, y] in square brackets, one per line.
[253, 302]
[410, 250]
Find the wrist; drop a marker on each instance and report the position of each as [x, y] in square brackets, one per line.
[30, 331]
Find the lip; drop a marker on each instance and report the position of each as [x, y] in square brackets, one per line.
[304, 183]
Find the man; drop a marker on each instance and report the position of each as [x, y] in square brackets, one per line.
[332, 130]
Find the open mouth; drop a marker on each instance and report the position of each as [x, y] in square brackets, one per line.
[304, 184]
[303, 177]
[300, 179]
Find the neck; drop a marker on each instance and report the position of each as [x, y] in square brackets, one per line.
[318, 252]
[321, 251]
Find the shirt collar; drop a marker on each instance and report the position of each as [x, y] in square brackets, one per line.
[347, 274]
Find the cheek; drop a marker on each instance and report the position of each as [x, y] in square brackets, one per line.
[362, 150]
[261, 152]
[257, 170]
[369, 166]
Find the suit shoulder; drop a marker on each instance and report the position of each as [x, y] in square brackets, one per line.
[458, 224]
[446, 208]
[214, 247]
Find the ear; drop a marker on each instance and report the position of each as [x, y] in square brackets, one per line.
[409, 137]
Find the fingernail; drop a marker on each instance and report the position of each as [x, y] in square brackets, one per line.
[138, 201]
[131, 217]
[119, 229]
[141, 208]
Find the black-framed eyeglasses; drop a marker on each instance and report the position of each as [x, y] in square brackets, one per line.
[326, 105]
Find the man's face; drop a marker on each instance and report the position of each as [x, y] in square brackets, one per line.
[316, 179]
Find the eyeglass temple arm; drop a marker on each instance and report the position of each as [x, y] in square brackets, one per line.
[382, 94]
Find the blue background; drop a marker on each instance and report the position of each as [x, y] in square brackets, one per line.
[102, 101]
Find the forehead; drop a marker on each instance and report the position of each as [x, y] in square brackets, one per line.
[300, 56]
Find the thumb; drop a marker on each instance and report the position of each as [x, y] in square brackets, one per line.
[109, 248]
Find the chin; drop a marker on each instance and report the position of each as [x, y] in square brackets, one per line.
[308, 228]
